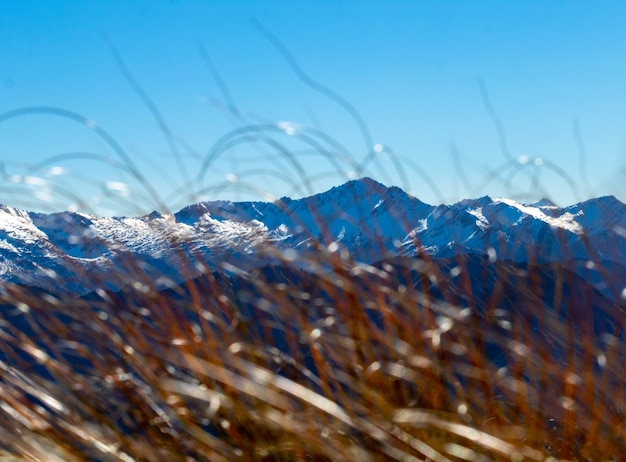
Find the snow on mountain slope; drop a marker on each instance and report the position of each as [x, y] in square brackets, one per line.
[76, 252]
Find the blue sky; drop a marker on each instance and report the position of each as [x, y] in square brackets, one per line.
[426, 77]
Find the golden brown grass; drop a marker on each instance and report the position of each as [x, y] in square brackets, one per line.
[351, 362]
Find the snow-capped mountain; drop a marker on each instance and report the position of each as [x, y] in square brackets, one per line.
[79, 253]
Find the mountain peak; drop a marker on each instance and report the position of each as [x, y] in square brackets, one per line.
[362, 186]
[609, 200]
[367, 182]
[543, 202]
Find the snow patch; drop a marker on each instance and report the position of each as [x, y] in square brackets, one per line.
[481, 221]
[565, 221]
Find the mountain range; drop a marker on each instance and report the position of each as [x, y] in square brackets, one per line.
[363, 219]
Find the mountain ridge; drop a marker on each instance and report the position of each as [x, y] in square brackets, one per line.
[363, 217]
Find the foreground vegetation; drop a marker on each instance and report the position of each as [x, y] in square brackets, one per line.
[406, 360]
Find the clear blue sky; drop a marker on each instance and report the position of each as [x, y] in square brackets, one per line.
[554, 73]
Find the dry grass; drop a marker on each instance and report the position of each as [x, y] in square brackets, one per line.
[350, 362]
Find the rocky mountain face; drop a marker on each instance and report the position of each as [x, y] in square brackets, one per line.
[74, 252]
